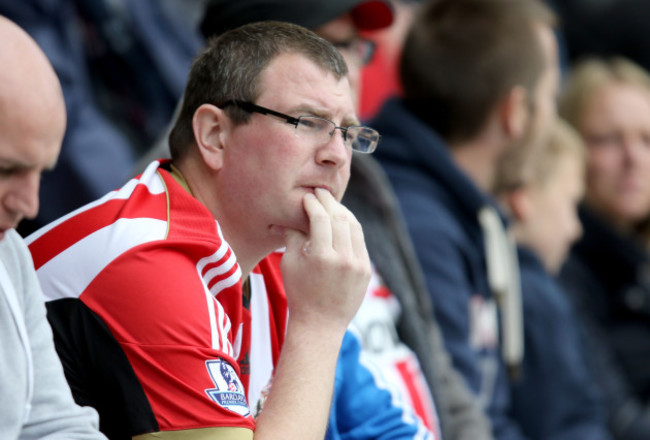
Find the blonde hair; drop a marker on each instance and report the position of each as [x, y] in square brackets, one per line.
[586, 79]
[521, 167]
[592, 74]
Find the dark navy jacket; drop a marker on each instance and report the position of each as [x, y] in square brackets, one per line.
[556, 398]
[441, 205]
[608, 279]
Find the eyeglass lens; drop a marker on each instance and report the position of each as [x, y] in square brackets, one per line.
[362, 139]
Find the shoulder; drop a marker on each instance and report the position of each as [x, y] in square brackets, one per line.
[131, 215]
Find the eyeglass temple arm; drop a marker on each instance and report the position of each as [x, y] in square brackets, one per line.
[250, 107]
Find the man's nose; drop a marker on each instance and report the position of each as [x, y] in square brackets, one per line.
[335, 151]
[22, 197]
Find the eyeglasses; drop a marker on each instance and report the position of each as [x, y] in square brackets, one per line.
[357, 137]
[360, 48]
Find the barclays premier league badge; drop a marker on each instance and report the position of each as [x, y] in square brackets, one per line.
[228, 391]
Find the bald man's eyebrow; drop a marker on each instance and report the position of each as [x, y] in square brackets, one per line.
[9, 165]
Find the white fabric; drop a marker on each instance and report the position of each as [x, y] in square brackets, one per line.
[503, 276]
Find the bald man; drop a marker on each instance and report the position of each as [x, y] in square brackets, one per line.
[35, 399]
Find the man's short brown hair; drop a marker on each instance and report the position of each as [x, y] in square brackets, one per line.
[462, 56]
[230, 66]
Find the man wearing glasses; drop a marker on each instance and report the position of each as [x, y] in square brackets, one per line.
[411, 351]
[148, 287]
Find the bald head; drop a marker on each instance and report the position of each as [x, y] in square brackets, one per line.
[32, 122]
[29, 87]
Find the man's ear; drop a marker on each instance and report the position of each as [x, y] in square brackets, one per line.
[209, 123]
[513, 112]
[519, 204]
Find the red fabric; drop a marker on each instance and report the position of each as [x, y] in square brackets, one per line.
[379, 81]
[156, 297]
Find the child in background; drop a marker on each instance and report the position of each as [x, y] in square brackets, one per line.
[555, 397]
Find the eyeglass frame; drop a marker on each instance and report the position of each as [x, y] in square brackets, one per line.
[254, 108]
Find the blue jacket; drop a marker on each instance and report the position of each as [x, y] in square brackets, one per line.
[441, 205]
[556, 398]
[362, 407]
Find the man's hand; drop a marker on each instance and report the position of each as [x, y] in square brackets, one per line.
[326, 272]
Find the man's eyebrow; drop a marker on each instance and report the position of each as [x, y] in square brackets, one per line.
[307, 110]
[349, 122]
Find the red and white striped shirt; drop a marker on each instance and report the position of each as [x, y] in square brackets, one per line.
[150, 262]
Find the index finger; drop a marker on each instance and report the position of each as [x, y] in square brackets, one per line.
[341, 220]
[320, 226]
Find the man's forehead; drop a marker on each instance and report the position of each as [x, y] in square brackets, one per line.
[294, 80]
[292, 60]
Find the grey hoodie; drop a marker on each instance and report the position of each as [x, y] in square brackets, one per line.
[35, 400]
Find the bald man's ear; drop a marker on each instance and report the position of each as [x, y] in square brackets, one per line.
[513, 112]
[209, 124]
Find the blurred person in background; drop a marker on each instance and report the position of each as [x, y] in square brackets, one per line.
[541, 192]
[480, 78]
[608, 273]
[380, 78]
